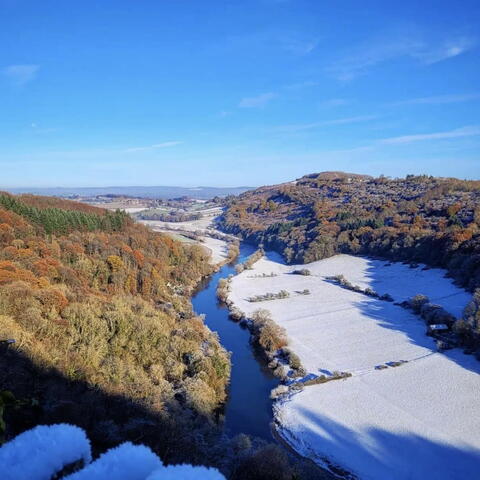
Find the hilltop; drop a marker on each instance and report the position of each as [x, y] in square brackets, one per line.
[417, 219]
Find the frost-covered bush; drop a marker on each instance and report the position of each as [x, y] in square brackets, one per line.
[269, 296]
[267, 463]
[223, 289]
[371, 292]
[417, 302]
[125, 462]
[248, 263]
[241, 443]
[44, 451]
[239, 268]
[39, 453]
[302, 271]
[433, 314]
[278, 392]
[386, 297]
[471, 314]
[236, 314]
[266, 332]
[185, 472]
[294, 361]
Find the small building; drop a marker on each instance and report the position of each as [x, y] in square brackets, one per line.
[437, 328]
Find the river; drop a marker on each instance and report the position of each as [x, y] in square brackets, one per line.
[249, 408]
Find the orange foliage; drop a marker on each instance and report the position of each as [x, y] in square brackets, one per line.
[139, 257]
[7, 275]
[51, 298]
[462, 235]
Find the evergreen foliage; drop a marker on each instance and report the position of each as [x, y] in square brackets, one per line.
[58, 220]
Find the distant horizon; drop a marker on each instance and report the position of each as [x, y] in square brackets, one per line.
[186, 186]
[68, 187]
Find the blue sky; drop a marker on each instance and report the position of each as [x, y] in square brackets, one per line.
[228, 92]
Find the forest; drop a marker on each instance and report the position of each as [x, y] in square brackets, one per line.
[100, 300]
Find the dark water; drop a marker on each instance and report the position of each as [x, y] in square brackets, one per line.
[249, 408]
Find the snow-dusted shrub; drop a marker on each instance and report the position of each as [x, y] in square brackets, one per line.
[371, 292]
[223, 288]
[302, 271]
[236, 314]
[125, 462]
[239, 268]
[241, 443]
[386, 297]
[436, 314]
[417, 302]
[471, 314]
[269, 296]
[278, 392]
[185, 472]
[266, 332]
[461, 328]
[294, 361]
[269, 462]
[279, 372]
[39, 453]
[199, 395]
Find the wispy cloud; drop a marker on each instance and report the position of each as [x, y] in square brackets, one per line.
[299, 46]
[439, 99]
[336, 102]
[258, 101]
[152, 147]
[449, 49]
[394, 46]
[468, 131]
[271, 40]
[301, 85]
[20, 75]
[309, 126]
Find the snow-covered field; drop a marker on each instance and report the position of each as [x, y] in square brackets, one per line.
[218, 248]
[208, 216]
[415, 421]
[134, 209]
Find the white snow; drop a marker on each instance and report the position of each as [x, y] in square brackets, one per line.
[39, 453]
[186, 472]
[398, 423]
[208, 217]
[218, 249]
[125, 462]
[134, 209]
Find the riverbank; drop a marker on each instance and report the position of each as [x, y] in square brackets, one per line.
[400, 385]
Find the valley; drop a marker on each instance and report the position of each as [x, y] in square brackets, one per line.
[400, 384]
[315, 355]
